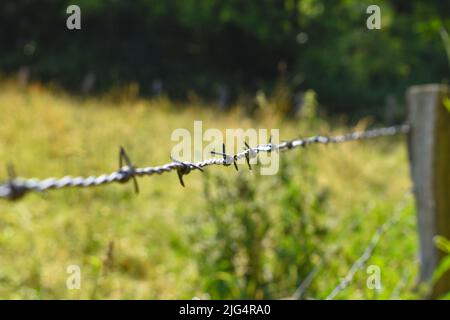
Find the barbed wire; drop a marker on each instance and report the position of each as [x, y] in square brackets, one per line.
[367, 254]
[304, 285]
[400, 285]
[16, 188]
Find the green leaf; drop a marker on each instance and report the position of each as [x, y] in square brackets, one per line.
[443, 267]
[447, 103]
[442, 243]
[446, 40]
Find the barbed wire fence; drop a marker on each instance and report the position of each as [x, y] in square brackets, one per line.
[16, 187]
[428, 129]
[359, 263]
[304, 285]
[368, 252]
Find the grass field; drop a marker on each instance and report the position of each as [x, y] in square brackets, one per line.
[226, 235]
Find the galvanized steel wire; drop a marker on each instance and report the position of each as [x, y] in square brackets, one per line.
[16, 188]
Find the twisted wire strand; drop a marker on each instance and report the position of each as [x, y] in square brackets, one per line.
[16, 188]
[304, 285]
[367, 254]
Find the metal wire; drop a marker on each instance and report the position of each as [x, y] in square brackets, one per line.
[304, 285]
[362, 260]
[15, 188]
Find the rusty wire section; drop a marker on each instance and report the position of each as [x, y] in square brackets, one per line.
[15, 188]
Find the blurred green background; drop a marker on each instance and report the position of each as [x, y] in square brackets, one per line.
[138, 70]
[233, 48]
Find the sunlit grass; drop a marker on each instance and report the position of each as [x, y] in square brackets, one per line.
[47, 133]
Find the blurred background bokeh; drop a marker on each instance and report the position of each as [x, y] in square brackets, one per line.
[223, 51]
[136, 71]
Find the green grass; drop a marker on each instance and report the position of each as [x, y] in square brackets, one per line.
[169, 241]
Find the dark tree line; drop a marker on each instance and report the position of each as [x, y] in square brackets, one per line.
[203, 45]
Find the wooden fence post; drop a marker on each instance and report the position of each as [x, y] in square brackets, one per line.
[429, 154]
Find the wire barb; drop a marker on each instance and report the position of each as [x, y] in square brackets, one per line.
[14, 191]
[271, 145]
[185, 168]
[227, 159]
[127, 169]
[249, 153]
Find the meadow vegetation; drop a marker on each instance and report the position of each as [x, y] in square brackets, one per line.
[227, 234]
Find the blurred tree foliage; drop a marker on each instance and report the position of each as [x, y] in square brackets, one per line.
[201, 45]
